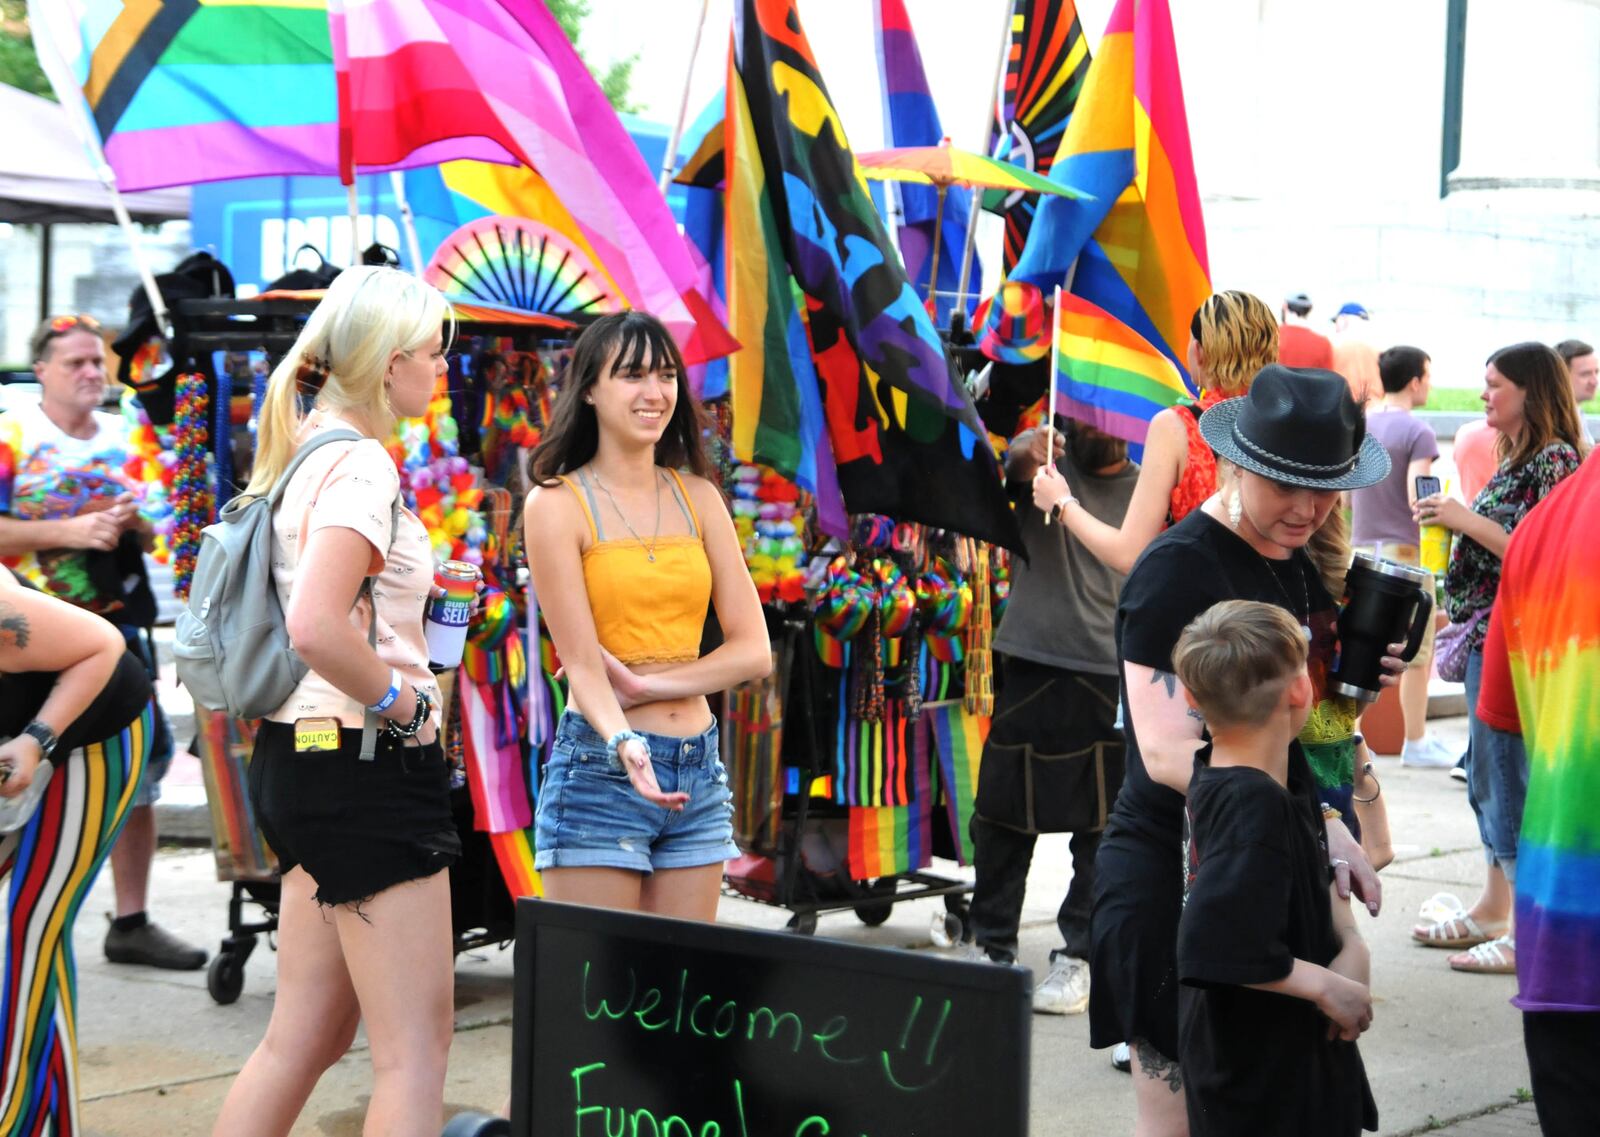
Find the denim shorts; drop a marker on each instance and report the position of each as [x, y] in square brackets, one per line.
[1497, 779]
[590, 816]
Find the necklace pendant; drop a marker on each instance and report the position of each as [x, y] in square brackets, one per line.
[651, 557]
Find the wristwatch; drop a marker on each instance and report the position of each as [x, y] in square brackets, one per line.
[43, 735]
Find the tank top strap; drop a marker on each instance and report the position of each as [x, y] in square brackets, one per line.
[586, 502]
[681, 492]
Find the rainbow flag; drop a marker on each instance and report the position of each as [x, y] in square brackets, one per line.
[1045, 68]
[1139, 242]
[905, 437]
[911, 119]
[1546, 627]
[1108, 375]
[958, 738]
[187, 91]
[894, 840]
[777, 411]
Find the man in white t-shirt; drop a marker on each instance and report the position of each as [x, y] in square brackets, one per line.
[69, 525]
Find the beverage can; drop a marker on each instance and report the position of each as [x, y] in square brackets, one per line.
[1435, 549]
[446, 617]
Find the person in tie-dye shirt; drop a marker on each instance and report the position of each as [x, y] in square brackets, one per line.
[1541, 666]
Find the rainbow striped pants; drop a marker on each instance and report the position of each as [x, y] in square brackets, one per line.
[52, 862]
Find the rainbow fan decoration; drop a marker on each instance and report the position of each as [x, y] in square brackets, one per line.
[518, 263]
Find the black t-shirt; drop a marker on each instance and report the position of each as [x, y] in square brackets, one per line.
[119, 702]
[1193, 565]
[1254, 1061]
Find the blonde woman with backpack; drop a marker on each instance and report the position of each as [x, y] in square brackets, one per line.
[364, 930]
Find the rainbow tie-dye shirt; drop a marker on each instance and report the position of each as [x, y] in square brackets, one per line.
[47, 475]
[1541, 673]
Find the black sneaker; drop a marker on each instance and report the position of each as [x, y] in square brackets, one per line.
[153, 946]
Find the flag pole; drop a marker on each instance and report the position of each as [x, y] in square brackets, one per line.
[977, 197]
[1050, 397]
[408, 220]
[671, 158]
[355, 216]
[158, 306]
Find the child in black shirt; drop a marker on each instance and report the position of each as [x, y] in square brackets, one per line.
[1275, 973]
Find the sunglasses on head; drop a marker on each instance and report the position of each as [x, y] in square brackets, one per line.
[68, 323]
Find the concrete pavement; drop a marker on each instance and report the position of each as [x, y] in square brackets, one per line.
[158, 1054]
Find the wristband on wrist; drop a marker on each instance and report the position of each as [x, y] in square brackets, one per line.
[418, 717]
[390, 696]
[614, 743]
[43, 735]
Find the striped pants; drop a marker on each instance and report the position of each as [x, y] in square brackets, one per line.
[53, 861]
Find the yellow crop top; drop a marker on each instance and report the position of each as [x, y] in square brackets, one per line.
[646, 610]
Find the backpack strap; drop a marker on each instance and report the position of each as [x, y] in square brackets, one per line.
[369, 723]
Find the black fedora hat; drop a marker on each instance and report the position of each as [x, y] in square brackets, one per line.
[1299, 426]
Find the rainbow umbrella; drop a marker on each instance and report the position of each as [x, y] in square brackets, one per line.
[944, 165]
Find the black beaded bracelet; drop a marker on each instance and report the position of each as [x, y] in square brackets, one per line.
[418, 717]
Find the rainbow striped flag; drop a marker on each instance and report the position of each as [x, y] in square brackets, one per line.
[1546, 627]
[958, 739]
[188, 91]
[910, 118]
[1108, 375]
[1139, 243]
[893, 840]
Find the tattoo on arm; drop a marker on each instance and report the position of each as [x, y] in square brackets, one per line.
[13, 627]
[1167, 678]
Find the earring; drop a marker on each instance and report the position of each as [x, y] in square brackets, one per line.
[1235, 507]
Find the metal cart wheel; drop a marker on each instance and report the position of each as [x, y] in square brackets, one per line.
[225, 978]
[803, 923]
[875, 911]
[872, 915]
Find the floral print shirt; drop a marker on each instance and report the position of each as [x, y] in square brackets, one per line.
[1473, 577]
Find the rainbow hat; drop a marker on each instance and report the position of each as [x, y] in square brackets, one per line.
[1015, 324]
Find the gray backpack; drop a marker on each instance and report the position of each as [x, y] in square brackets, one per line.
[231, 645]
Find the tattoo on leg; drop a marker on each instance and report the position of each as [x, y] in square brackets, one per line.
[1156, 1065]
[13, 627]
[1167, 678]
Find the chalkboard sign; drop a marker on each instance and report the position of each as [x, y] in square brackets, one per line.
[646, 1027]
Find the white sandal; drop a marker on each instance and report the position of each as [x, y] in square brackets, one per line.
[1493, 957]
[1451, 927]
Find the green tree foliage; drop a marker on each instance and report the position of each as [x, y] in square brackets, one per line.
[19, 67]
[617, 79]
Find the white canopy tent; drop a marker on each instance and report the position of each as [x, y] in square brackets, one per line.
[46, 178]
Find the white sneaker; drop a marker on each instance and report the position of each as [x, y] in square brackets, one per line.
[1459, 773]
[1122, 1058]
[1065, 990]
[1426, 753]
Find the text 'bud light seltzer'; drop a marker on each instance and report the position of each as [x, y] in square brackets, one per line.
[445, 620]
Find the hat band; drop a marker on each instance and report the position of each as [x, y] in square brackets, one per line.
[1289, 465]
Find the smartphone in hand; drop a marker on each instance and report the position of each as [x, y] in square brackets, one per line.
[1427, 486]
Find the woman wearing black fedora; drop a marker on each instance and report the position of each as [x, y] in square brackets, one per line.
[1294, 444]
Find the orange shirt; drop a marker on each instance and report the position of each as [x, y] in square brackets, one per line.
[1299, 346]
[1358, 363]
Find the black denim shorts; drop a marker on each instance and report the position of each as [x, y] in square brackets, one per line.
[357, 827]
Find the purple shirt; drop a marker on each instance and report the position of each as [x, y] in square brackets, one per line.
[1382, 512]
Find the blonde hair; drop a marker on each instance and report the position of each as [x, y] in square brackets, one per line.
[1330, 551]
[1238, 336]
[1236, 658]
[369, 313]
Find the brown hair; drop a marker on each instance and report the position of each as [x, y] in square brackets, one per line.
[1236, 658]
[1329, 550]
[1238, 336]
[633, 340]
[1549, 412]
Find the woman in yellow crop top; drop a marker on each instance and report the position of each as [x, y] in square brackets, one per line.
[627, 551]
